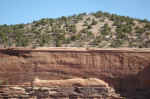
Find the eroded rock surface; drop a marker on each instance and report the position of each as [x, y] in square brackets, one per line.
[60, 93]
[71, 82]
[123, 69]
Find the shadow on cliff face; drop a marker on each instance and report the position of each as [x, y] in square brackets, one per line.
[12, 52]
[135, 86]
[127, 86]
[144, 78]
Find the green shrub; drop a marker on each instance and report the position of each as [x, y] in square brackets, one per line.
[89, 27]
[44, 39]
[58, 43]
[140, 30]
[73, 29]
[147, 26]
[74, 38]
[98, 14]
[105, 30]
[85, 23]
[116, 43]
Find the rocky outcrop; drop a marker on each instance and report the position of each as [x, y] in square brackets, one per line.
[59, 92]
[124, 69]
[90, 82]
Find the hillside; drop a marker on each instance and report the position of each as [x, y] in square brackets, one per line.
[100, 29]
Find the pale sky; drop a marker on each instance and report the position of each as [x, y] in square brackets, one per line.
[26, 11]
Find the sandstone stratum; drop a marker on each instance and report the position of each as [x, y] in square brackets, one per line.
[126, 70]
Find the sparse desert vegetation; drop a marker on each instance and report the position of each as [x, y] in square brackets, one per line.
[100, 29]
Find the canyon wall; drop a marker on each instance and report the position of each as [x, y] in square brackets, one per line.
[123, 69]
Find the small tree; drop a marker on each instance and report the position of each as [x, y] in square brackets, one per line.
[94, 22]
[89, 27]
[98, 14]
[44, 39]
[58, 43]
[3, 38]
[73, 29]
[105, 30]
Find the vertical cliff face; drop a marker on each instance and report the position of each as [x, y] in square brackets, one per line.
[122, 69]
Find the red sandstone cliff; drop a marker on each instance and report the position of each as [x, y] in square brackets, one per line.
[125, 69]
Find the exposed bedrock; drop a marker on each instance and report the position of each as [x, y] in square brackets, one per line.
[125, 70]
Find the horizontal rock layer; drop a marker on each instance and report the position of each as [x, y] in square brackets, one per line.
[123, 69]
